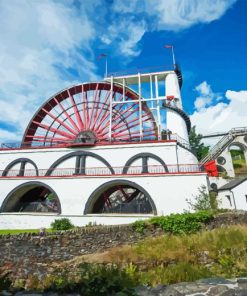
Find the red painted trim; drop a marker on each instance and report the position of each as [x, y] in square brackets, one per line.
[71, 145]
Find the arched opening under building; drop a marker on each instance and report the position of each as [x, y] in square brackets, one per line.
[34, 197]
[238, 153]
[120, 197]
[222, 171]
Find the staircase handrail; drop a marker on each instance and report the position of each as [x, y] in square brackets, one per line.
[218, 147]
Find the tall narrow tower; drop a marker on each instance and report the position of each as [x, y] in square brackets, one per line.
[177, 120]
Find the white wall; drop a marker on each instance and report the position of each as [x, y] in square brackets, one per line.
[228, 166]
[238, 193]
[37, 221]
[116, 155]
[169, 192]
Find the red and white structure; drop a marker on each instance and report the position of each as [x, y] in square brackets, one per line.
[109, 152]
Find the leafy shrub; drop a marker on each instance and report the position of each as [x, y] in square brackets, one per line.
[94, 280]
[237, 166]
[203, 201]
[182, 223]
[61, 224]
[93, 224]
[139, 226]
[174, 273]
[5, 282]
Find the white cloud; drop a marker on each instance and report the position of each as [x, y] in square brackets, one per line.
[127, 34]
[39, 41]
[175, 15]
[221, 117]
[133, 18]
[9, 136]
[204, 88]
[206, 96]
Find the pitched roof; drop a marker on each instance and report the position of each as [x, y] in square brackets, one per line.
[232, 184]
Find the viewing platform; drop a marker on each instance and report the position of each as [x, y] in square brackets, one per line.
[103, 171]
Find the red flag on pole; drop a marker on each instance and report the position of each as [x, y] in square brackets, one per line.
[168, 46]
[101, 56]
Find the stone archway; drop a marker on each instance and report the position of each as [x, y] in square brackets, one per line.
[120, 196]
[21, 171]
[80, 162]
[144, 160]
[238, 153]
[32, 197]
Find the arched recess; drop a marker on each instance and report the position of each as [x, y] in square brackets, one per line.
[23, 162]
[32, 196]
[237, 144]
[221, 170]
[144, 157]
[80, 162]
[120, 196]
[238, 152]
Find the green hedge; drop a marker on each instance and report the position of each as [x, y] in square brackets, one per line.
[185, 223]
[92, 280]
[61, 224]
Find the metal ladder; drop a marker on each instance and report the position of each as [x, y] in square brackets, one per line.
[223, 143]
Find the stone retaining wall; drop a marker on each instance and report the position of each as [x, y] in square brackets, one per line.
[27, 253]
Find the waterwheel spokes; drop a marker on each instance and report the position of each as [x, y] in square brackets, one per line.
[79, 111]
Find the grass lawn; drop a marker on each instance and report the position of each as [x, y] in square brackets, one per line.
[18, 231]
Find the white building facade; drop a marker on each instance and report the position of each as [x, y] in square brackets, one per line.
[100, 152]
[233, 195]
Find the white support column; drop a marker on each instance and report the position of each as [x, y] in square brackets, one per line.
[111, 99]
[157, 106]
[124, 89]
[151, 90]
[140, 105]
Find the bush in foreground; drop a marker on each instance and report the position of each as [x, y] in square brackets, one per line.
[88, 279]
[165, 259]
[185, 223]
[62, 224]
[4, 282]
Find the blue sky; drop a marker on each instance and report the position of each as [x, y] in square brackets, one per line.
[48, 45]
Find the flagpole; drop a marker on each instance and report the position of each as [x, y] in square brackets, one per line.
[173, 55]
[173, 58]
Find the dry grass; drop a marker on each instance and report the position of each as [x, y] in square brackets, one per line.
[219, 252]
[171, 258]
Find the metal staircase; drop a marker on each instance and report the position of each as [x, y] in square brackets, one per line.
[181, 113]
[179, 75]
[223, 143]
[184, 144]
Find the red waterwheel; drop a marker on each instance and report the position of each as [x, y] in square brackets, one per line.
[122, 199]
[82, 114]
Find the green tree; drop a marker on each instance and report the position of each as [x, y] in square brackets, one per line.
[196, 143]
[203, 201]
